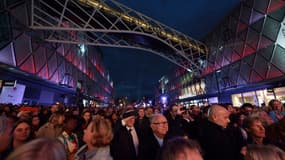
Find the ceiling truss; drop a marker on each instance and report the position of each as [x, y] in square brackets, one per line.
[108, 23]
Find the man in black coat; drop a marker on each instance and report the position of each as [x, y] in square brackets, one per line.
[174, 119]
[217, 141]
[149, 149]
[125, 143]
[142, 124]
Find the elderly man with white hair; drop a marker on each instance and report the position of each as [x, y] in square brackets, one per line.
[150, 147]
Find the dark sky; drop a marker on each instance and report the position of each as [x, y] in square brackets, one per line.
[135, 73]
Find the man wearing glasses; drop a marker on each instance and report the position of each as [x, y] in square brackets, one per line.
[150, 147]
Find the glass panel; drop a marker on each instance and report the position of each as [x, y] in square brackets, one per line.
[213, 100]
[203, 102]
[280, 94]
[5, 33]
[237, 100]
[250, 97]
[264, 96]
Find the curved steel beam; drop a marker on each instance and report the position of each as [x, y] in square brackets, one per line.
[104, 20]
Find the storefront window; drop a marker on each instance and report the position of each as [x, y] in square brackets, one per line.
[213, 100]
[250, 97]
[237, 100]
[264, 96]
[280, 94]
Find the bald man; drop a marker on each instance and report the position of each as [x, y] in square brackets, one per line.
[219, 115]
[218, 141]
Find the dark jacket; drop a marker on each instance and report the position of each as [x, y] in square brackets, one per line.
[122, 147]
[220, 144]
[142, 128]
[149, 149]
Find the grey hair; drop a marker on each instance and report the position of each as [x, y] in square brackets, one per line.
[153, 117]
[264, 152]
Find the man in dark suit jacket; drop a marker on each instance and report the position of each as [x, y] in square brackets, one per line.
[124, 145]
[149, 148]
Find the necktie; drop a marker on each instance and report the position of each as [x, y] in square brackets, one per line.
[135, 138]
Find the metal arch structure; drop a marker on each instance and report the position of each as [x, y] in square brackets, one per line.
[109, 23]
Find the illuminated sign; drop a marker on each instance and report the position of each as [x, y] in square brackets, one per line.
[195, 89]
[12, 83]
[11, 94]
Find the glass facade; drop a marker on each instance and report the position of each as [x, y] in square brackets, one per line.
[61, 66]
[246, 50]
[259, 97]
[192, 90]
[5, 32]
[280, 94]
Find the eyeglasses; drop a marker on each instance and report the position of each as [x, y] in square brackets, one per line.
[160, 123]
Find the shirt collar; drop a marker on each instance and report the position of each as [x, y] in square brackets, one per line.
[159, 140]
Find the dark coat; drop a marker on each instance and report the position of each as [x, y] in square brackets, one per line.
[122, 146]
[149, 149]
[175, 126]
[142, 128]
[220, 144]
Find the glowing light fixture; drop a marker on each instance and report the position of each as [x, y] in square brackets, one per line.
[163, 99]
[82, 49]
[146, 26]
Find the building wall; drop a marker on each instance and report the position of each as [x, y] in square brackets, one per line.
[248, 46]
[57, 64]
[246, 50]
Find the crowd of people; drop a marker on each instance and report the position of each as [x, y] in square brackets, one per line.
[215, 132]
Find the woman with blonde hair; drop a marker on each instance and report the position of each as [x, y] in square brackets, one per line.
[53, 128]
[97, 136]
[277, 112]
[40, 149]
[264, 152]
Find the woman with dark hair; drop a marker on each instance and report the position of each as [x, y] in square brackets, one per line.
[21, 134]
[35, 123]
[84, 120]
[113, 118]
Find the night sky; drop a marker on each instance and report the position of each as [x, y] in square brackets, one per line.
[136, 73]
